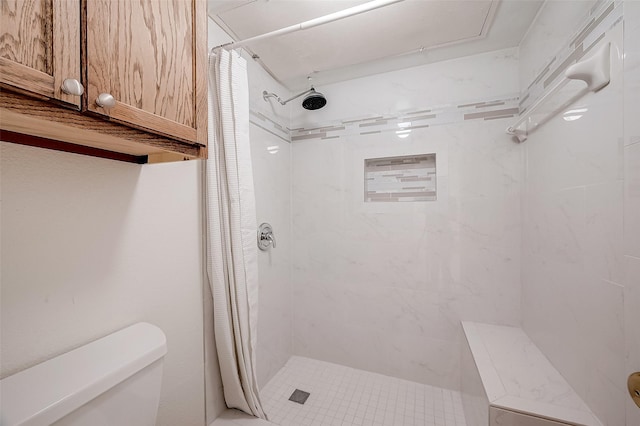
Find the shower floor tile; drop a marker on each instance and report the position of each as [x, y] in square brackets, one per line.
[344, 396]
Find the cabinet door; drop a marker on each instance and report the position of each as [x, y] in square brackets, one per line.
[151, 56]
[40, 46]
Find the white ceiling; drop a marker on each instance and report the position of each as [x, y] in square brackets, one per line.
[404, 34]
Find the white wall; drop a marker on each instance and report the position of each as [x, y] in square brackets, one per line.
[383, 286]
[90, 246]
[573, 275]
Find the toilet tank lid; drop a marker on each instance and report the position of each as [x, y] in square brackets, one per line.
[49, 391]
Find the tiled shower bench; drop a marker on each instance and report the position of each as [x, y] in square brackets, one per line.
[507, 381]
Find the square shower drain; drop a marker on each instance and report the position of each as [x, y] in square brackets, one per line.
[299, 396]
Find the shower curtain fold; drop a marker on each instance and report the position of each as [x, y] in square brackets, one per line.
[231, 231]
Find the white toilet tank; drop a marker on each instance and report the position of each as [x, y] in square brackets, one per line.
[114, 381]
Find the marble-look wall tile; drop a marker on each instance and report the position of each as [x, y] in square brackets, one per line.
[555, 23]
[260, 81]
[483, 165]
[572, 264]
[491, 76]
[604, 231]
[555, 225]
[271, 158]
[632, 192]
[632, 337]
[383, 286]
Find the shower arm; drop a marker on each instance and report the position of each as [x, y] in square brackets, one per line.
[266, 95]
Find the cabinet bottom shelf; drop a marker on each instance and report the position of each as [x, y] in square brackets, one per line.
[40, 123]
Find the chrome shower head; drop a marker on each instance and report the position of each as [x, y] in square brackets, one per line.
[314, 100]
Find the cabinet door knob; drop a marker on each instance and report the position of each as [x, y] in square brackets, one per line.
[71, 86]
[105, 100]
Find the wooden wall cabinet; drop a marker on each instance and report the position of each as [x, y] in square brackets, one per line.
[149, 57]
[145, 54]
[40, 46]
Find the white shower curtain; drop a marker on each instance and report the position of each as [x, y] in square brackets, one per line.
[232, 266]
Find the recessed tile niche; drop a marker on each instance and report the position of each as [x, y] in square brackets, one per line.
[406, 178]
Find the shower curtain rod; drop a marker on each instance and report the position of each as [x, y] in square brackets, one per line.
[352, 11]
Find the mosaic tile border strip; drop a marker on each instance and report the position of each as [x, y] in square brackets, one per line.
[403, 123]
[269, 125]
[604, 16]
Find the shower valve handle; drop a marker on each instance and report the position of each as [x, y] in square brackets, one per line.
[271, 238]
[265, 237]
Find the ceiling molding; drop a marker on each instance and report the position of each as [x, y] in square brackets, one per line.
[342, 51]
